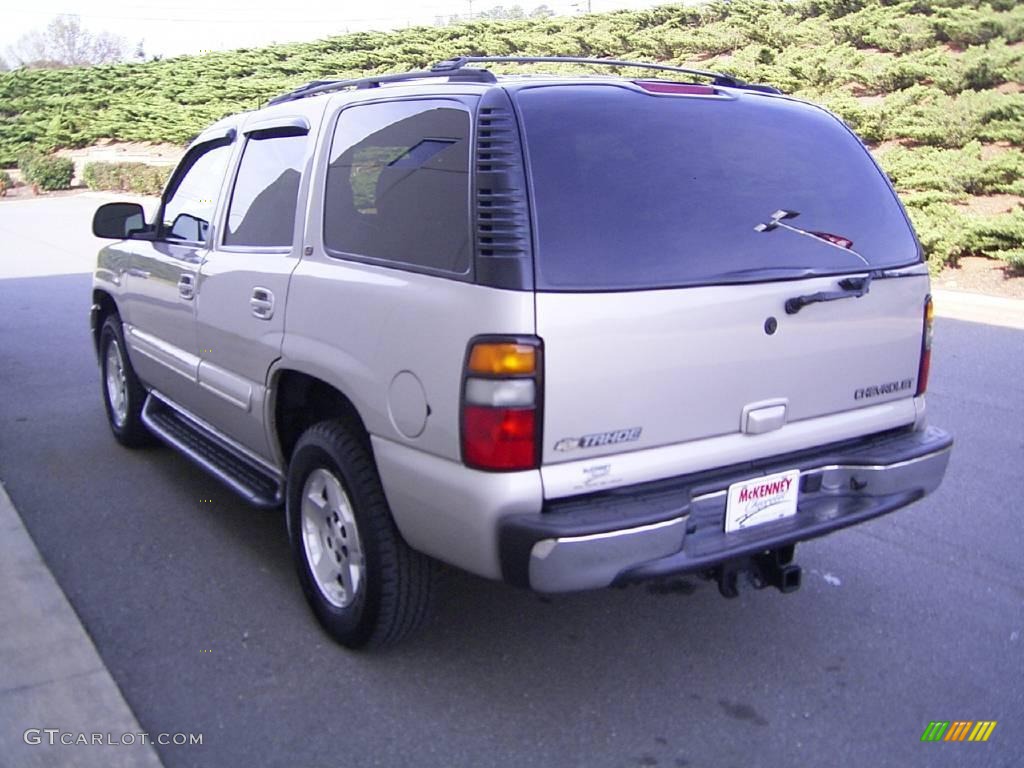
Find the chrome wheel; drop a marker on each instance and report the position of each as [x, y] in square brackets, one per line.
[331, 540]
[117, 384]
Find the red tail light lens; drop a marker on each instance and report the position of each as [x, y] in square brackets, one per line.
[499, 438]
[500, 403]
[924, 368]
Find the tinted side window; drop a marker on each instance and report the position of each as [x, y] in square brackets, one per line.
[262, 211]
[189, 209]
[398, 185]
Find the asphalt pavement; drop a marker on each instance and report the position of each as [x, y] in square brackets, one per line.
[190, 599]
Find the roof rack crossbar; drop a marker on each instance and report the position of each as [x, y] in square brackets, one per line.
[317, 87]
[459, 62]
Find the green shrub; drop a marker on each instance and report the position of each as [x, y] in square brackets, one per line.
[957, 171]
[867, 122]
[880, 27]
[997, 236]
[913, 198]
[967, 26]
[140, 178]
[894, 73]
[937, 64]
[976, 68]
[800, 45]
[48, 172]
[926, 115]
[1015, 259]
[948, 233]
[26, 159]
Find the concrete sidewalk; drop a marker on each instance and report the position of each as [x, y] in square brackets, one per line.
[50, 674]
[979, 308]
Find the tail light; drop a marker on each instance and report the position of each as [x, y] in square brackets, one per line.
[501, 404]
[925, 365]
[685, 89]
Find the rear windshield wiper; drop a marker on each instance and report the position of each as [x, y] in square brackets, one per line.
[777, 221]
[850, 288]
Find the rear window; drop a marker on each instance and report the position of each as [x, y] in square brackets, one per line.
[632, 190]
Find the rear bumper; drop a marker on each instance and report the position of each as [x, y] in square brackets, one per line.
[676, 526]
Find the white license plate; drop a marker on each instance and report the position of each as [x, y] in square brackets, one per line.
[761, 500]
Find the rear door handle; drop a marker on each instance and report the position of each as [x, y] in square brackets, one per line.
[187, 286]
[262, 303]
[851, 288]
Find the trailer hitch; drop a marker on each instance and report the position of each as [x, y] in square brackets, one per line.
[774, 568]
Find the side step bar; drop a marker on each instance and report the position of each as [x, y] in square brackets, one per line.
[257, 483]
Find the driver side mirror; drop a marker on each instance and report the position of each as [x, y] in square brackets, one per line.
[118, 221]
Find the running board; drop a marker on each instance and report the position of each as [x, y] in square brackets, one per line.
[256, 483]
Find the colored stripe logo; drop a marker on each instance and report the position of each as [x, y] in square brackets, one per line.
[958, 730]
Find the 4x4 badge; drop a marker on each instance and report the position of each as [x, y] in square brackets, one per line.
[601, 438]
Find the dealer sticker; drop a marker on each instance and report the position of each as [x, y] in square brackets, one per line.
[761, 500]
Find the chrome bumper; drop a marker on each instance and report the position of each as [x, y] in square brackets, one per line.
[584, 562]
[839, 486]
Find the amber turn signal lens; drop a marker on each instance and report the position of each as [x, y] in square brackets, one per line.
[503, 359]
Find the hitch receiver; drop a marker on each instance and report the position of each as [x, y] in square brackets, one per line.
[774, 568]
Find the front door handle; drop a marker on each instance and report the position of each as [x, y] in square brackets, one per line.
[187, 286]
[262, 303]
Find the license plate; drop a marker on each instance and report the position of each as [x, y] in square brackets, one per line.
[761, 500]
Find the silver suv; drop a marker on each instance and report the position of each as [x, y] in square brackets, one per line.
[569, 332]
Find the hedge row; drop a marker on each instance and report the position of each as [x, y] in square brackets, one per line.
[139, 178]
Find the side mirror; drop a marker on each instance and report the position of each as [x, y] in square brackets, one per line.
[190, 228]
[118, 221]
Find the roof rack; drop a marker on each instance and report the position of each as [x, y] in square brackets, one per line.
[456, 70]
[457, 64]
[316, 87]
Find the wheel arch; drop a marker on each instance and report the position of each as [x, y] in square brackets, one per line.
[103, 305]
[299, 401]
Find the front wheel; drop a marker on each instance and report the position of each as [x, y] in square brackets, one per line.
[123, 393]
[366, 586]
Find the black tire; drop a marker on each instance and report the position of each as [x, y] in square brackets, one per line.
[393, 594]
[127, 428]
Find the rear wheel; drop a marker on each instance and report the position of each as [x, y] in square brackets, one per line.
[123, 394]
[366, 586]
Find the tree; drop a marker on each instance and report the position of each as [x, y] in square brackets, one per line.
[541, 12]
[66, 43]
[501, 12]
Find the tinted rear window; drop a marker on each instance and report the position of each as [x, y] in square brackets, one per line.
[632, 190]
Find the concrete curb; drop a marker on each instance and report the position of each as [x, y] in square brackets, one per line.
[51, 676]
[91, 194]
[979, 308]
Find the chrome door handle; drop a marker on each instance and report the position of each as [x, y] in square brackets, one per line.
[262, 303]
[187, 286]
